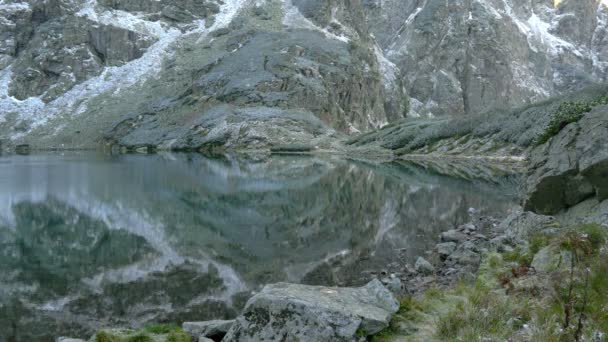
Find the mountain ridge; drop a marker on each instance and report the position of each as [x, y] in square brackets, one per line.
[252, 74]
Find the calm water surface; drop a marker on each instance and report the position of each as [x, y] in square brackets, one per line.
[90, 240]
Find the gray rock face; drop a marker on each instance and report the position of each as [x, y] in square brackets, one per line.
[523, 224]
[312, 313]
[571, 167]
[68, 339]
[209, 329]
[453, 235]
[67, 51]
[461, 57]
[445, 249]
[157, 73]
[423, 266]
[182, 11]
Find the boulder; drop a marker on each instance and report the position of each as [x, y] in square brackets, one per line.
[423, 266]
[534, 285]
[68, 339]
[522, 224]
[551, 259]
[394, 284]
[571, 167]
[453, 235]
[291, 312]
[465, 255]
[212, 329]
[445, 249]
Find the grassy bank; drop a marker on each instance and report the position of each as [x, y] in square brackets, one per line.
[555, 288]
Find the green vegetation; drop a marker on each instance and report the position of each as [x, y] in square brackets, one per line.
[162, 328]
[104, 336]
[159, 332]
[524, 256]
[511, 301]
[484, 314]
[178, 336]
[139, 338]
[568, 112]
[517, 128]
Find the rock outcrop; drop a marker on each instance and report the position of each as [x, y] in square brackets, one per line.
[312, 313]
[571, 167]
[193, 75]
[215, 329]
[459, 57]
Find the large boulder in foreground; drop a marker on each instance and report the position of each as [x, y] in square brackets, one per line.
[571, 167]
[290, 312]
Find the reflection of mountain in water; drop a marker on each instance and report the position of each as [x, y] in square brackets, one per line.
[91, 240]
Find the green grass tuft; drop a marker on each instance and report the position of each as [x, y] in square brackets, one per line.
[178, 336]
[161, 328]
[103, 336]
[567, 113]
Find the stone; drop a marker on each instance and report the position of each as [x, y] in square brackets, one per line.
[481, 237]
[445, 249]
[464, 256]
[552, 259]
[423, 266]
[571, 167]
[523, 224]
[292, 312]
[453, 235]
[212, 329]
[535, 285]
[467, 227]
[459, 79]
[394, 285]
[68, 339]
[204, 339]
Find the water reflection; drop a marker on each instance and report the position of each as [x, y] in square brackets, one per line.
[88, 240]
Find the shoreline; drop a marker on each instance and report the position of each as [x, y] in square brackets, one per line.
[382, 155]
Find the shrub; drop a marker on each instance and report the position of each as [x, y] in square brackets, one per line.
[139, 338]
[178, 336]
[567, 113]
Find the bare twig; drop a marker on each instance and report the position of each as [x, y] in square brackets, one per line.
[569, 301]
[582, 316]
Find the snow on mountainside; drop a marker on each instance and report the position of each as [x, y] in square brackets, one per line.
[46, 86]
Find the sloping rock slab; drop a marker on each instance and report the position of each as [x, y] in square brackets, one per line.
[212, 329]
[290, 312]
[571, 167]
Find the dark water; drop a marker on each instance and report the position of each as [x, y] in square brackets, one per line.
[89, 240]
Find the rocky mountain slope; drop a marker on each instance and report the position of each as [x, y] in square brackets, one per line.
[189, 75]
[199, 74]
[471, 56]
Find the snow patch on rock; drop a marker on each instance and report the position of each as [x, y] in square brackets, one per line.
[388, 69]
[294, 18]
